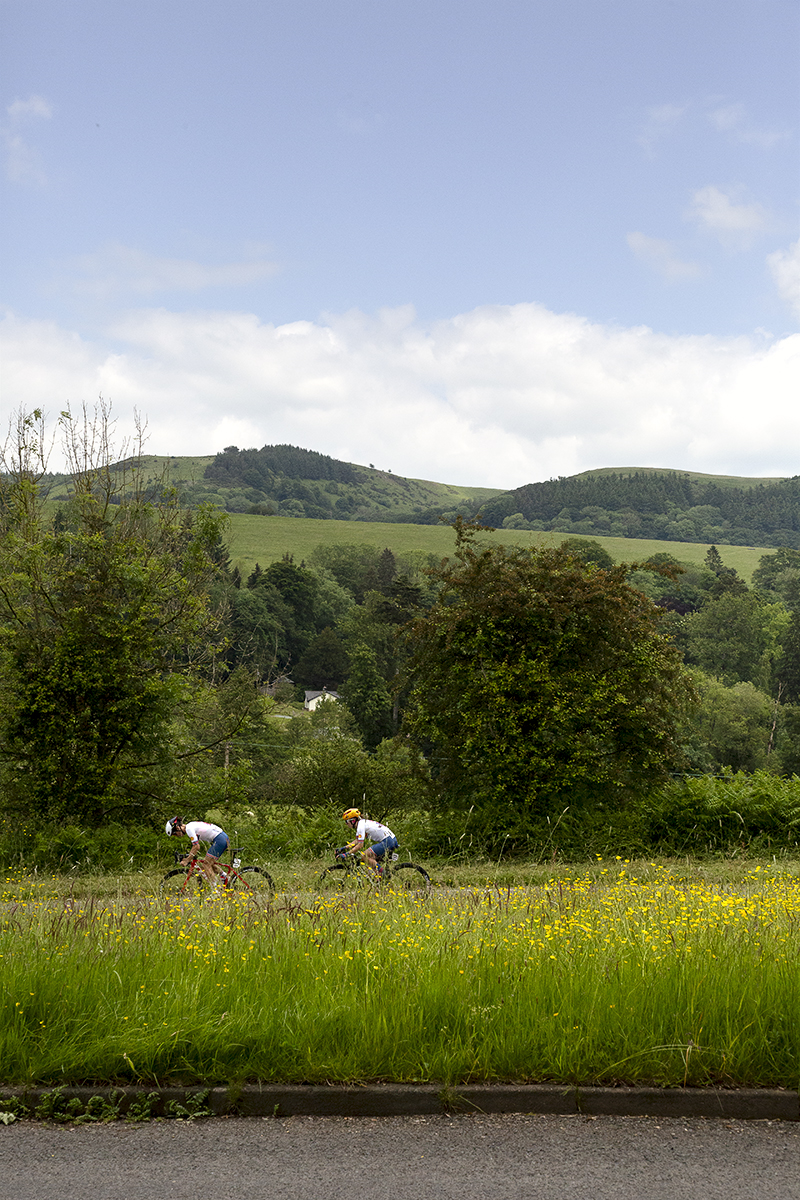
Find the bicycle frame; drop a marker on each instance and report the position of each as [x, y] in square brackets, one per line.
[230, 877]
[352, 870]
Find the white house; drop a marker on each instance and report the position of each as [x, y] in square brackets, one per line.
[312, 699]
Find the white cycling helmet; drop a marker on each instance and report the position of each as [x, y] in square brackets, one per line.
[170, 825]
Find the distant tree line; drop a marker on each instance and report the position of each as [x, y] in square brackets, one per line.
[665, 506]
[259, 468]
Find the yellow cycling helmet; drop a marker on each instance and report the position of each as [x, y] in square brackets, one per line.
[351, 814]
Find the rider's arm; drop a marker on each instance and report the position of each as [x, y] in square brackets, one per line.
[356, 846]
[192, 852]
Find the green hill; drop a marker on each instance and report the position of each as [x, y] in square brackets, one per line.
[291, 482]
[640, 503]
[665, 505]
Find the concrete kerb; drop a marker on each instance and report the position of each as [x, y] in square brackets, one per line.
[373, 1100]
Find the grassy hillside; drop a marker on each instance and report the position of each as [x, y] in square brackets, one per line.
[292, 482]
[265, 539]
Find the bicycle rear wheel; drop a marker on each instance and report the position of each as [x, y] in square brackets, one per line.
[180, 883]
[408, 877]
[250, 879]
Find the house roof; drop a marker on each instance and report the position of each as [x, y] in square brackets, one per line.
[310, 695]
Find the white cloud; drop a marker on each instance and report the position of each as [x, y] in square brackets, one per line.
[34, 106]
[785, 268]
[735, 224]
[498, 396]
[734, 120]
[658, 123]
[662, 257]
[120, 269]
[23, 163]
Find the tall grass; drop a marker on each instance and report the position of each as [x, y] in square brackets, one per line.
[606, 976]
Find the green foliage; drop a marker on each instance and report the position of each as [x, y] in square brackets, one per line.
[788, 664]
[258, 468]
[677, 586]
[731, 727]
[736, 637]
[195, 1106]
[417, 546]
[143, 1108]
[587, 551]
[232, 722]
[778, 575]
[55, 1106]
[14, 1107]
[256, 629]
[278, 615]
[367, 696]
[738, 811]
[70, 848]
[104, 606]
[358, 568]
[327, 766]
[788, 740]
[324, 663]
[534, 678]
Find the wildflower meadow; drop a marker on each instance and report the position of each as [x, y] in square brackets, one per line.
[622, 973]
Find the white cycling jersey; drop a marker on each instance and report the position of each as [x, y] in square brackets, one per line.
[203, 831]
[372, 830]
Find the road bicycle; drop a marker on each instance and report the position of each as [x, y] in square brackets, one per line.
[189, 880]
[351, 873]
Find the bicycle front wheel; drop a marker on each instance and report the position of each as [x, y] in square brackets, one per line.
[408, 877]
[180, 883]
[251, 880]
[343, 878]
[333, 877]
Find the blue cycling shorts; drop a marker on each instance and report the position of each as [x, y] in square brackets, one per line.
[387, 845]
[219, 845]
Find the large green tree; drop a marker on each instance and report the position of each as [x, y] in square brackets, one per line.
[731, 727]
[736, 637]
[538, 680]
[104, 619]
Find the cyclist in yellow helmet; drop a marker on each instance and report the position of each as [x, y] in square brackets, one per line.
[381, 837]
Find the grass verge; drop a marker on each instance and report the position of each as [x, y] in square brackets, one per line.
[597, 977]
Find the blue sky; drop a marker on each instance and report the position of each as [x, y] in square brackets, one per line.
[470, 242]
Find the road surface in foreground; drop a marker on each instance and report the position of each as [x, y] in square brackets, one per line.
[472, 1157]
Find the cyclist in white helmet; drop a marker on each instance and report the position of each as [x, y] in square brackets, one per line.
[381, 837]
[197, 832]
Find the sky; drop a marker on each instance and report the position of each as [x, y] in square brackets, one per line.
[479, 243]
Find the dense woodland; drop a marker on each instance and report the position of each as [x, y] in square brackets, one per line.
[506, 692]
[666, 506]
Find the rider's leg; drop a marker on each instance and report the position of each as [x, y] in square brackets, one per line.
[211, 864]
[376, 853]
[210, 867]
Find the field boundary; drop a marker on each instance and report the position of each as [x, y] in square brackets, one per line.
[386, 1099]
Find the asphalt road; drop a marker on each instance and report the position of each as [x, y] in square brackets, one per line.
[472, 1157]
